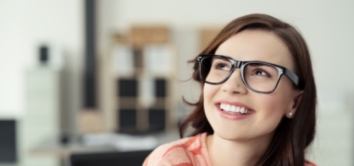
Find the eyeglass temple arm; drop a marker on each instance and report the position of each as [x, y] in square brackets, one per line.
[292, 76]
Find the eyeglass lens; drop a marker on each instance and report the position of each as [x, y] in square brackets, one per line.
[257, 76]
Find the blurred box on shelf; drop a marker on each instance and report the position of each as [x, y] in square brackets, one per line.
[157, 119]
[127, 120]
[160, 87]
[127, 87]
[140, 35]
[146, 91]
[90, 121]
[158, 58]
[206, 35]
[122, 60]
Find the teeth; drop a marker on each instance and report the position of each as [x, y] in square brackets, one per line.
[243, 110]
[228, 107]
[233, 109]
[238, 109]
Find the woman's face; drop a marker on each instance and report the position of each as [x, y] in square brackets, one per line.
[265, 111]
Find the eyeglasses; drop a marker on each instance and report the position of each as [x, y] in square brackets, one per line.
[258, 76]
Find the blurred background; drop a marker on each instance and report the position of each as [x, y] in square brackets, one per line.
[86, 81]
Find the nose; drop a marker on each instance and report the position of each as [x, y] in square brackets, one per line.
[234, 84]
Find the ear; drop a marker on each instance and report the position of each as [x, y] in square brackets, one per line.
[294, 104]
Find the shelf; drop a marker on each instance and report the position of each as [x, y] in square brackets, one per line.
[141, 83]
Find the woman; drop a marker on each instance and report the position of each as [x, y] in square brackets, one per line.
[258, 101]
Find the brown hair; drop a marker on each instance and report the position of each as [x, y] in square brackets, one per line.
[292, 136]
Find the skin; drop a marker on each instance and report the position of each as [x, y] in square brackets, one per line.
[242, 142]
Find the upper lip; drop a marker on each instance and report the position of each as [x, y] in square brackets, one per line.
[238, 104]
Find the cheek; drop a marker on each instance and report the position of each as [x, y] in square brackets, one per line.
[209, 92]
[271, 104]
[277, 102]
[270, 112]
[272, 108]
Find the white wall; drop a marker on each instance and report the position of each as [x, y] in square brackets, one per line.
[14, 48]
[24, 25]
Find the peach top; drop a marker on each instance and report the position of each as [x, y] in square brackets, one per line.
[191, 151]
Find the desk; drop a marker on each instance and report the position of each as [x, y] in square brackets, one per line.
[52, 146]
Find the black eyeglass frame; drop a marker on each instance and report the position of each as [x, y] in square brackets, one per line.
[241, 64]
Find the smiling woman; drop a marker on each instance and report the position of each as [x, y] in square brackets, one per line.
[258, 101]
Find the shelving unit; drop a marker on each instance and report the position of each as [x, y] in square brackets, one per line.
[142, 72]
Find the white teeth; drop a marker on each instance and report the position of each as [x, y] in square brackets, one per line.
[228, 107]
[238, 109]
[243, 110]
[233, 109]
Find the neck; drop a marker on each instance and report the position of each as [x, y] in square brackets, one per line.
[236, 153]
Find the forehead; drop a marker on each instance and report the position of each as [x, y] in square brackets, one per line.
[259, 45]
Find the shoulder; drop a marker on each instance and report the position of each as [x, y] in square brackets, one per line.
[178, 152]
[309, 163]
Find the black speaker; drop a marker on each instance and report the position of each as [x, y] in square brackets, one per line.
[8, 146]
[43, 54]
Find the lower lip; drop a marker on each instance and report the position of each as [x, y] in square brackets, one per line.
[231, 116]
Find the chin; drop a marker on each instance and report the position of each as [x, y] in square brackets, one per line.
[231, 136]
[242, 135]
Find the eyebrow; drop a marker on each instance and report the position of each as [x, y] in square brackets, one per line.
[228, 56]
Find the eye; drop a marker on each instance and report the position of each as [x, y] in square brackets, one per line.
[260, 72]
[221, 66]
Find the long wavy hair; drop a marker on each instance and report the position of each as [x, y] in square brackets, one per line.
[292, 136]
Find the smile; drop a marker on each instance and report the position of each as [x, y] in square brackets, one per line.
[234, 109]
